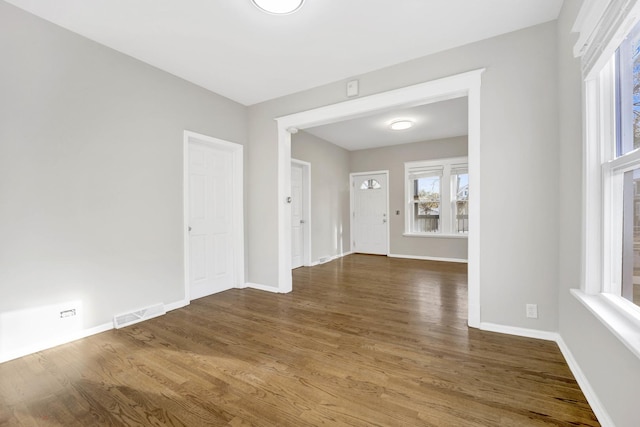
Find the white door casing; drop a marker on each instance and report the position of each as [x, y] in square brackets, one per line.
[465, 84]
[214, 252]
[370, 213]
[300, 213]
[297, 217]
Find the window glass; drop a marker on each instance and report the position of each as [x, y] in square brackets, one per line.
[370, 184]
[628, 94]
[426, 196]
[461, 220]
[631, 237]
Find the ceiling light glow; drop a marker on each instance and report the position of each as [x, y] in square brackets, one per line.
[278, 7]
[402, 124]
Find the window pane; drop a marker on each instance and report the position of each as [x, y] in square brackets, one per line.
[461, 223]
[631, 237]
[426, 200]
[628, 93]
[370, 184]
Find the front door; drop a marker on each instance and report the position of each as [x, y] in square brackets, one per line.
[210, 219]
[370, 217]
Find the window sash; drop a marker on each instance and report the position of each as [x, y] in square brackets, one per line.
[447, 169]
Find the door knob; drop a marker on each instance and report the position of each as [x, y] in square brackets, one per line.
[302, 221]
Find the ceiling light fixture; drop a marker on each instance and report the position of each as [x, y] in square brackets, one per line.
[278, 7]
[401, 124]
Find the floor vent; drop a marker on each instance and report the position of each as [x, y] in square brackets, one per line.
[130, 318]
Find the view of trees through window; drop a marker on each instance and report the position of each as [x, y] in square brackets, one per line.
[628, 139]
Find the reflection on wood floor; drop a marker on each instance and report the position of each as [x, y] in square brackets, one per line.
[361, 341]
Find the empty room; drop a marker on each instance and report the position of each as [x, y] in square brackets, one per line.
[303, 212]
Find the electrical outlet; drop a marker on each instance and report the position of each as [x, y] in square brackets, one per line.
[532, 311]
[68, 313]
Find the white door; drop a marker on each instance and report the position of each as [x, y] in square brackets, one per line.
[210, 219]
[370, 217]
[297, 216]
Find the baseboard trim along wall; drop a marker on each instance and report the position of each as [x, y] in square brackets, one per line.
[591, 396]
[7, 354]
[326, 259]
[260, 287]
[428, 258]
[589, 393]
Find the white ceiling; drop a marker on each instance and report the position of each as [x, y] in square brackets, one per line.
[432, 121]
[233, 49]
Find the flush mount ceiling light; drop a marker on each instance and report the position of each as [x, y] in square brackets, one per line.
[278, 7]
[401, 124]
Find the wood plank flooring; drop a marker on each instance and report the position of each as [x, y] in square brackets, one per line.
[361, 341]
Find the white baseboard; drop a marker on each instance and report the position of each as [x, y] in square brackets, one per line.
[428, 258]
[261, 287]
[176, 305]
[521, 332]
[591, 396]
[55, 342]
[325, 260]
[10, 354]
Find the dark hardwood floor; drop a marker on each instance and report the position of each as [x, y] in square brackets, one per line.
[361, 341]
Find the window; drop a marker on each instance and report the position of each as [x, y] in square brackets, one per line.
[370, 184]
[611, 257]
[437, 194]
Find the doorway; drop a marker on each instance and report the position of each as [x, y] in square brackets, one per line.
[465, 84]
[370, 213]
[213, 215]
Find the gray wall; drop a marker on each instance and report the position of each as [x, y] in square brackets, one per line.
[91, 171]
[330, 227]
[393, 159]
[611, 369]
[519, 163]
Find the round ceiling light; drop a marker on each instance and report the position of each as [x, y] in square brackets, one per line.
[401, 124]
[278, 7]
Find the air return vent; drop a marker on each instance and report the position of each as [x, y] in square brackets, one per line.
[130, 318]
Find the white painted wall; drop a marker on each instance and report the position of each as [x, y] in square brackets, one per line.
[393, 159]
[612, 371]
[91, 172]
[519, 123]
[330, 228]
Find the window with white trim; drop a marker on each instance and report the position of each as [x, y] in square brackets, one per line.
[612, 170]
[437, 195]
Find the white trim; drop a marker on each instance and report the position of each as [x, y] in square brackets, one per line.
[602, 28]
[237, 151]
[589, 393]
[260, 287]
[592, 398]
[176, 305]
[306, 182]
[436, 235]
[330, 258]
[619, 316]
[429, 258]
[460, 85]
[352, 207]
[521, 332]
[10, 355]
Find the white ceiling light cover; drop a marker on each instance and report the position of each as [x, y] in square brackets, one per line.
[402, 124]
[278, 7]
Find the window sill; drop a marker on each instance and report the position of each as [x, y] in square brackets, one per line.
[620, 316]
[437, 235]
